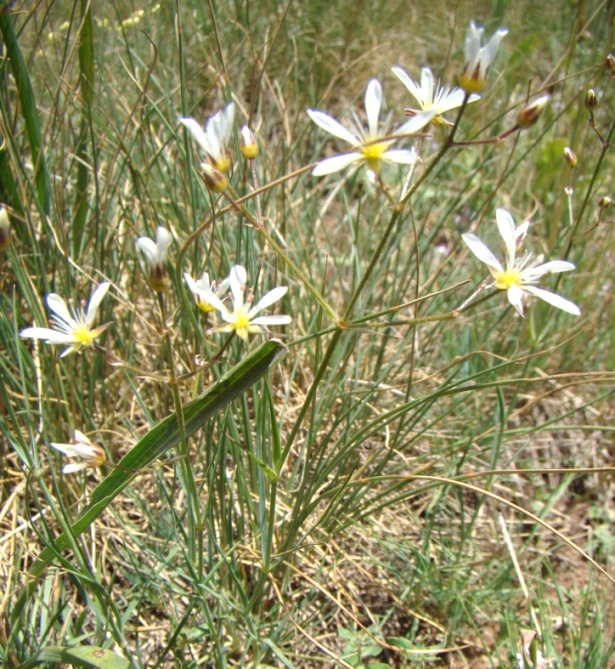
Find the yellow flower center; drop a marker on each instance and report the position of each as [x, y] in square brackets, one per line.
[472, 82]
[242, 319]
[510, 277]
[374, 151]
[223, 164]
[98, 456]
[83, 335]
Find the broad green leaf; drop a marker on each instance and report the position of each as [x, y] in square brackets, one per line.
[80, 656]
[157, 442]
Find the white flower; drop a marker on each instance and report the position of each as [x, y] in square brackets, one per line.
[74, 329]
[478, 58]
[242, 319]
[83, 450]
[215, 138]
[370, 146]
[156, 256]
[203, 284]
[431, 96]
[519, 275]
[5, 229]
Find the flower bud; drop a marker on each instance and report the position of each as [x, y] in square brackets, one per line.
[591, 101]
[214, 178]
[605, 202]
[156, 256]
[610, 63]
[528, 116]
[478, 58]
[249, 145]
[83, 451]
[570, 156]
[5, 229]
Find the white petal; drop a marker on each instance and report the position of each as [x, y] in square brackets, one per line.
[336, 163]
[373, 103]
[81, 438]
[415, 91]
[238, 278]
[552, 267]
[74, 467]
[493, 46]
[148, 246]
[67, 449]
[228, 317]
[472, 42]
[268, 299]
[417, 122]
[453, 100]
[192, 284]
[58, 306]
[163, 240]
[553, 299]
[272, 320]
[222, 287]
[481, 251]
[219, 130]
[332, 126]
[211, 298]
[227, 118]
[197, 132]
[402, 156]
[427, 86]
[515, 297]
[239, 275]
[508, 230]
[95, 300]
[521, 231]
[50, 336]
[87, 451]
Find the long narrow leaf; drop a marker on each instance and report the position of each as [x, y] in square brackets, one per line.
[86, 88]
[28, 108]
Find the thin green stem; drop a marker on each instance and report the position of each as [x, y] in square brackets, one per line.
[398, 211]
[195, 521]
[262, 230]
[588, 194]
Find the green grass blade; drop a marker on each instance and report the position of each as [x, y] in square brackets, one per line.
[28, 107]
[86, 84]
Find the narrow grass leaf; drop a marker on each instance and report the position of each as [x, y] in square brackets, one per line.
[86, 83]
[28, 107]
